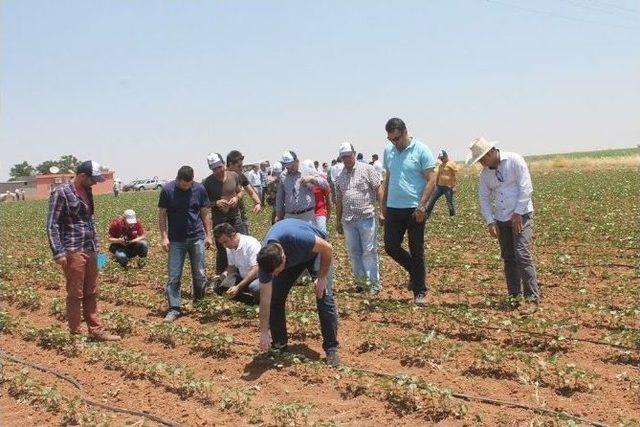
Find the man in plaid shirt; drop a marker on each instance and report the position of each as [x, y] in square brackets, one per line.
[74, 243]
[357, 190]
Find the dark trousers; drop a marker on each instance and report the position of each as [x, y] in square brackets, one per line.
[515, 250]
[437, 193]
[327, 311]
[397, 222]
[123, 253]
[221, 252]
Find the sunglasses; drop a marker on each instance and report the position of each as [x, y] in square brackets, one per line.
[396, 139]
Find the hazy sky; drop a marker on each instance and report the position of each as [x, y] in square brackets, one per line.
[146, 86]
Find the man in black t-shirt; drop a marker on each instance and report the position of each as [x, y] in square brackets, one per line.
[234, 163]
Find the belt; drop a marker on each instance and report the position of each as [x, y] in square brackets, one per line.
[300, 212]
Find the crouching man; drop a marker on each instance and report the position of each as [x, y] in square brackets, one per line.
[128, 239]
[240, 281]
[290, 247]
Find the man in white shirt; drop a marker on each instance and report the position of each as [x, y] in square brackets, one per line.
[256, 180]
[240, 281]
[505, 178]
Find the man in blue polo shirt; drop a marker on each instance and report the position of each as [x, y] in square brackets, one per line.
[408, 184]
[290, 247]
[185, 228]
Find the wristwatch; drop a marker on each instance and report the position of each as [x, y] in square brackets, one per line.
[423, 208]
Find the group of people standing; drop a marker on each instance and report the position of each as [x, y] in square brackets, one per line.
[399, 197]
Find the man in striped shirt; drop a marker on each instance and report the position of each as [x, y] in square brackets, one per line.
[74, 243]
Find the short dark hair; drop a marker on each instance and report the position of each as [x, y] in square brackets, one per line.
[185, 173]
[223, 228]
[234, 156]
[395, 123]
[374, 156]
[360, 156]
[270, 257]
[333, 162]
[315, 162]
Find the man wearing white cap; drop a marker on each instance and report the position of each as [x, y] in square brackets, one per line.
[73, 239]
[295, 197]
[128, 239]
[505, 178]
[357, 191]
[224, 191]
[408, 185]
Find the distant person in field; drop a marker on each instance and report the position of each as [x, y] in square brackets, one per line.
[334, 171]
[358, 190]
[128, 239]
[255, 178]
[117, 187]
[240, 280]
[408, 184]
[185, 228]
[264, 178]
[445, 183]
[235, 160]
[272, 189]
[377, 164]
[224, 192]
[322, 209]
[73, 239]
[506, 181]
[290, 247]
[295, 197]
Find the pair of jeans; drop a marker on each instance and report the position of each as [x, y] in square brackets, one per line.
[362, 245]
[437, 193]
[81, 273]
[250, 294]
[327, 311]
[515, 249]
[123, 253]
[221, 253]
[177, 253]
[398, 222]
[321, 224]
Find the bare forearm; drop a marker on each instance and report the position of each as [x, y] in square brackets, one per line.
[265, 306]
[162, 223]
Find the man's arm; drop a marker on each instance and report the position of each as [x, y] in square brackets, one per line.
[327, 201]
[430, 176]
[162, 226]
[339, 228]
[382, 197]
[265, 312]
[251, 276]
[325, 252]
[205, 214]
[53, 229]
[280, 201]
[254, 196]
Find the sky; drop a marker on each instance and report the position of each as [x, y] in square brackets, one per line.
[144, 87]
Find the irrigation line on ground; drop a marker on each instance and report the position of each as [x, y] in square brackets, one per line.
[88, 400]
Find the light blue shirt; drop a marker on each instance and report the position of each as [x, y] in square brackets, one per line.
[406, 173]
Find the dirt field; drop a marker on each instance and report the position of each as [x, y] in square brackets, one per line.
[577, 355]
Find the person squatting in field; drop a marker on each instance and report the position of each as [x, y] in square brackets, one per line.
[128, 239]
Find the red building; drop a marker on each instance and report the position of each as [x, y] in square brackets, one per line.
[45, 183]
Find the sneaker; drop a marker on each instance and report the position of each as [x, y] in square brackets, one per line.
[171, 315]
[529, 307]
[332, 358]
[420, 299]
[104, 336]
[359, 289]
[374, 292]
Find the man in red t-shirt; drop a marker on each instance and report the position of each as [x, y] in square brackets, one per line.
[128, 239]
[322, 210]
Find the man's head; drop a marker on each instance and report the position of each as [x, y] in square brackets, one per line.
[360, 157]
[276, 170]
[483, 151]
[443, 156]
[491, 159]
[226, 235]
[216, 164]
[271, 259]
[316, 164]
[88, 174]
[396, 132]
[130, 217]
[374, 157]
[347, 154]
[290, 161]
[185, 177]
[255, 168]
[234, 160]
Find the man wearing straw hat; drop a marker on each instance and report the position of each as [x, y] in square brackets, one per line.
[505, 178]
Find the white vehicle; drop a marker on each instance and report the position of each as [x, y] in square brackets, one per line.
[150, 184]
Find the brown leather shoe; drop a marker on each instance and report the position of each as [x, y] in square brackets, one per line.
[104, 336]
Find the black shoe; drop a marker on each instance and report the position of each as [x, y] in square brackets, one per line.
[359, 289]
[420, 299]
[333, 359]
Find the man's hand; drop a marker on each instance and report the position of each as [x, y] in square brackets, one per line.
[233, 291]
[382, 215]
[232, 202]
[62, 262]
[493, 229]
[516, 223]
[321, 287]
[265, 340]
[419, 215]
[208, 242]
[165, 244]
[257, 207]
[222, 204]
[339, 228]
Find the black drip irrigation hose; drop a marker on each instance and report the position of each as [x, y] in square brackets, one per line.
[88, 400]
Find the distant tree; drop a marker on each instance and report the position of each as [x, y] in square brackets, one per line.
[21, 169]
[65, 164]
[44, 166]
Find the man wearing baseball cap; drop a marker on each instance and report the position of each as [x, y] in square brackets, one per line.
[224, 190]
[73, 239]
[295, 197]
[505, 178]
[128, 239]
[358, 190]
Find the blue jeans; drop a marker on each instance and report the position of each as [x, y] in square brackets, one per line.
[437, 193]
[321, 224]
[361, 238]
[327, 311]
[177, 254]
